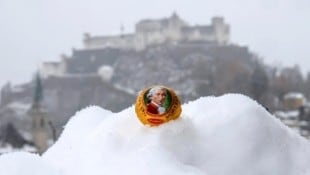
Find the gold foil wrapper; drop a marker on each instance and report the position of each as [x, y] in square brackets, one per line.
[148, 113]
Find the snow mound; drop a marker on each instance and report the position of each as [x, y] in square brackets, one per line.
[230, 134]
[23, 163]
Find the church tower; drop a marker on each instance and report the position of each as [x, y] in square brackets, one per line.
[39, 120]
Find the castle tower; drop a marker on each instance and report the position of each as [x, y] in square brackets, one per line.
[39, 120]
[221, 30]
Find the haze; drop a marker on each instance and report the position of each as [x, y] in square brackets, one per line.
[35, 31]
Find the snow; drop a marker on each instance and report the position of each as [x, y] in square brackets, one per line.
[125, 89]
[293, 114]
[294, 95]
[230, 134]
[19, 107]
[24, 163]
[8, 148]
[106, 72]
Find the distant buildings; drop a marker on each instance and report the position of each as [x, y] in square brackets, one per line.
[38, 114]
[158, 31]
[293, 100]
[110, 70]
[147, 33]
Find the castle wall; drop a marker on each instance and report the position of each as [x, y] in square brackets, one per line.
[52, 69]
[153, 38]
[196, 35]
[119, 41]
[172, 34]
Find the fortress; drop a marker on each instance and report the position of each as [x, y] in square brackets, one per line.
[167, 30]
[172, 30]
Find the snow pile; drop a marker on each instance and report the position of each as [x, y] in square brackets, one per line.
[23, 163]
[231, 134]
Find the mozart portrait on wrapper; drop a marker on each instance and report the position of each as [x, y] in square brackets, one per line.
[157, 100]
[157, 105]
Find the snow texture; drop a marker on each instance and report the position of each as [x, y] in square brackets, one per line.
[230, 134]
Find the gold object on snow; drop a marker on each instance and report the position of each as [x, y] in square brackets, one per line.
[157, 105]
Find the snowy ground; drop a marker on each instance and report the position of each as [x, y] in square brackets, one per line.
[227, 135]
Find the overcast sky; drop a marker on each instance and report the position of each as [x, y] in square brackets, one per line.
[34, 31]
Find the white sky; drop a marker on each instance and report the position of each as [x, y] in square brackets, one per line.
[234, 135]
[34, 31]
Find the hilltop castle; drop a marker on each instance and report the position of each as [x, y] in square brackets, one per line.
[148, 32]
[158, 31]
